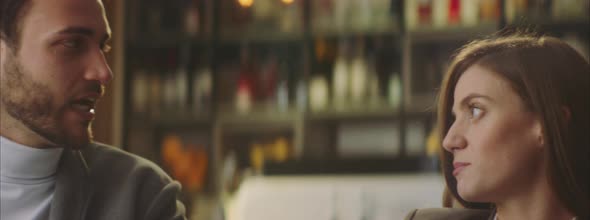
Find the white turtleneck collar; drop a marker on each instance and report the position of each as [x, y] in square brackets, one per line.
[26, 163]
[27, 180]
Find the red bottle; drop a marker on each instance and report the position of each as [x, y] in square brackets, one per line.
[454, 11]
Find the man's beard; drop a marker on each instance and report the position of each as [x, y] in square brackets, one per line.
[32, 104]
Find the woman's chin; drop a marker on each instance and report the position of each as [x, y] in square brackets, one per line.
[470, 194]
[467, 192]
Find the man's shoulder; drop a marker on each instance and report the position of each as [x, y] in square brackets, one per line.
[103, 158]
[449, 213]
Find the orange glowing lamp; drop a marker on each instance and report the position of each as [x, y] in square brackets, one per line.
[246, 3]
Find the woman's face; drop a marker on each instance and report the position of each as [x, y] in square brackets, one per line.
[496, 142]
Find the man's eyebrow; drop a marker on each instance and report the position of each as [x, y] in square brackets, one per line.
[77, 30]
[84, 31]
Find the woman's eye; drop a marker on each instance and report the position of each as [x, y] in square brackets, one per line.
[475, 112]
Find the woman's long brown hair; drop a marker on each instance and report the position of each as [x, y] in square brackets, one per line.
[553, 80]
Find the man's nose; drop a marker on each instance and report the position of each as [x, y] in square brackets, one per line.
[99, 69]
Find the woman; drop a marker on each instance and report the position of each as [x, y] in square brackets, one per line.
[514, 114]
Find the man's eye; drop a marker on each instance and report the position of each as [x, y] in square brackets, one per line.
[72, 44]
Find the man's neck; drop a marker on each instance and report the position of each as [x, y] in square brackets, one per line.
[17, 132]
[538, 202]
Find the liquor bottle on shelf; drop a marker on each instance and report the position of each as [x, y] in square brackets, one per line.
[175, 87]
[358, 75]
[341, 77]
[266, 80]
[440, 13]
[181, 85]
[394, 91]
[571, 10]
[489, 10]
[155, 97]
[202, 89]
[239, 16]
[151, 17]
[382, 15]
[323, 14]
[264, 11]
[140, 91]
[318, 92]
[301, 97]
[290, 20]
[341, 14]
[360, 15]
[373, 86]
[282, 91]
[539, 10]
[168, 92]
[455, 11]
[246, 82]
[411, 19]
[515, 9]
[191, 18]
[424, 12]
[469, 12]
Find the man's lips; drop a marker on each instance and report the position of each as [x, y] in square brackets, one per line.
[85, 104]
[458, 166]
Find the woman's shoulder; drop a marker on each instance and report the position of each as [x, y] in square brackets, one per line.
[450, 214]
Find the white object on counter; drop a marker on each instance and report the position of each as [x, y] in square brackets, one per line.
[351, 197]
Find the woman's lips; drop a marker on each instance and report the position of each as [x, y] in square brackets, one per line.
[458, 167]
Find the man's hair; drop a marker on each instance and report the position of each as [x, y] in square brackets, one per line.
[549, 76]
[11, 12]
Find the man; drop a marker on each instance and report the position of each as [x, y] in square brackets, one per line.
[53, 70]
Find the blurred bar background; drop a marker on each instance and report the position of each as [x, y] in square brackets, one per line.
[299, 109]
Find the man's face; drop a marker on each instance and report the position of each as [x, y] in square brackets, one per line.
[51, 81]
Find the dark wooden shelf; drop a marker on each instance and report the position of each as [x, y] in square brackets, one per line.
[390, 31]
[554, 26]
[168, 40]
[173, 119]
[451, 33]
[366, 165]
[259, 36]
[355, 113]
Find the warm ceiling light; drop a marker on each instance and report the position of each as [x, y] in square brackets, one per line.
[287, 1]
[246, 3]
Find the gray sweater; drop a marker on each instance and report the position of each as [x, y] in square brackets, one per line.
[450, 214]
[104, 183]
